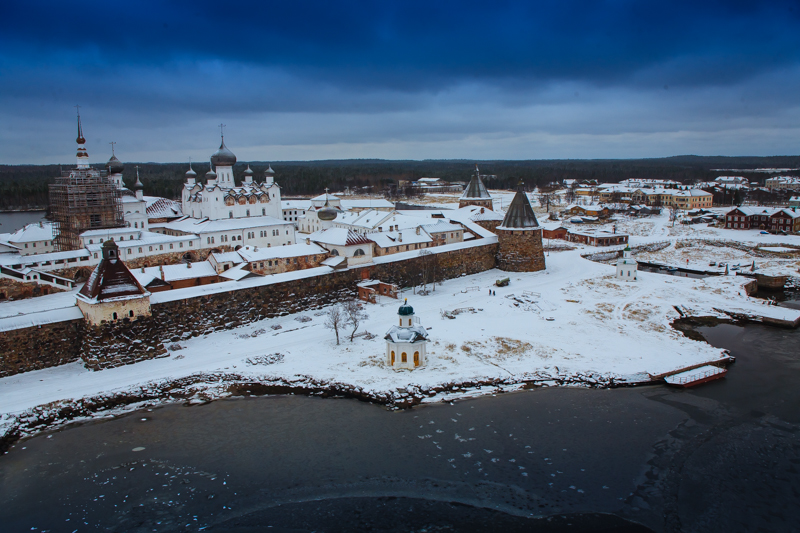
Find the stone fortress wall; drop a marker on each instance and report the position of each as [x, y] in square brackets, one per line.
[124, 342]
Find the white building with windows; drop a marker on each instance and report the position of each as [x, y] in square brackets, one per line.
[406, 342]
[627, 267]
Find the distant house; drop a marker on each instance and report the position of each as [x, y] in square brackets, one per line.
[597, 238]
[600, 211]
[764, 218]
[370, 289]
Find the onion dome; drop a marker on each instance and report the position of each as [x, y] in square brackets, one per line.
[191, 173]
[405, 309]
[138, 185]
[269, 171]
[248, 172]
[114, 165]
[223, 157]
[327, 212]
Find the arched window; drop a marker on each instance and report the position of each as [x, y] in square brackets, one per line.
[263, 211]
[403, 357]
[248, 212]
[114, 316]
[392, 357]
[358, 252]
[230, 214]
[130, 313]
[334, 252]
[416, 358]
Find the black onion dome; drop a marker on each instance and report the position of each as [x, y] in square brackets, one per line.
[114, 165]
[223, 157]
[191, 171]
[327, 212]
[405, 309]
[211, 174]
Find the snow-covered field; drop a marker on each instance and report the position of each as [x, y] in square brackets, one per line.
[570, 323]
[573, 323]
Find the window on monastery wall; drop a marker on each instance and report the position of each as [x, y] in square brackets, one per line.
[248, 212]
[151, 248]
[230, 214]
[140, 250]
[160, 246]
[263, 211]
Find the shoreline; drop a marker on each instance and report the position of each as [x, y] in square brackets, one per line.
[204, 388]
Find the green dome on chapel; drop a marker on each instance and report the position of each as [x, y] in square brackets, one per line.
[405, 309]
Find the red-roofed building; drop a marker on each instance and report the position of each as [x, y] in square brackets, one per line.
[112, 292]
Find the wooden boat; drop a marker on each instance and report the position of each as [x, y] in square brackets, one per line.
[696, 376]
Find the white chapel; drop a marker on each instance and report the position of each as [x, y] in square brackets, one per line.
[406, 342]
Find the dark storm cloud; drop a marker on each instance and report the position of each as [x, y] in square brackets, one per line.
[413, 45]
[384, 78]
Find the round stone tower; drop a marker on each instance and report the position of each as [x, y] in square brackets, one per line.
[520, 238]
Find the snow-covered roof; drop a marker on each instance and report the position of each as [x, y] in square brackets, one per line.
[296, 204]
[40, 231]
[367, 203]
[393, 238]
[441, 227]
[250, 253]
[406, 334]
[199, 226]
[200, 269]
[111, 280]
[237, 273]
[16, 259]
[109, 232]
[325, 196]
[334, 261]
[339, 237]
[227, 257]
[476, 189]
[520, 214]
[158, 207]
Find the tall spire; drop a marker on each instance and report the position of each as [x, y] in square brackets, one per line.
[82, 156]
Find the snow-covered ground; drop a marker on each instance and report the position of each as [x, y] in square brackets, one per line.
[572, 321]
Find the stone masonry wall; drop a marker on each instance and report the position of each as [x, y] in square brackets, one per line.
[124, 342]
[520, 250]
[11, 289]
[34, 348]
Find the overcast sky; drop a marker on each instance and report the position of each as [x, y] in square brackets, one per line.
[399, 80]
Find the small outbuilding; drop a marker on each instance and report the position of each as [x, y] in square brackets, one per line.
[627, 267]
[406, 342]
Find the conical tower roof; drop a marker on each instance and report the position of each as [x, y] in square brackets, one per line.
[476, 188]
[520, 213]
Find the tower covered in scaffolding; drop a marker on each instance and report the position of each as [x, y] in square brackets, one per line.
[83, 199]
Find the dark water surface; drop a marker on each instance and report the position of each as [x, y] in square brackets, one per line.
[12, 221]
[723, 457]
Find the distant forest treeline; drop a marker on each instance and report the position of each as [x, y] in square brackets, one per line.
[25, 186]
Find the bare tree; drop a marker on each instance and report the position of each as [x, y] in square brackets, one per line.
[545, 199]
[334, 319]
[354, 314]
[425, 259]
